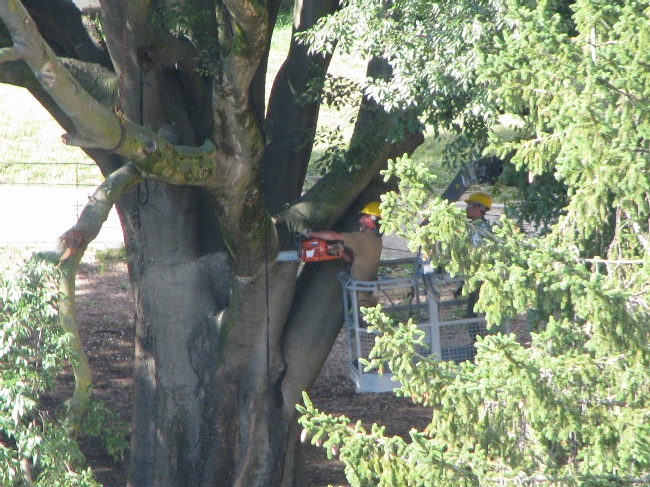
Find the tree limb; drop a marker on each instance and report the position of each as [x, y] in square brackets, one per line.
[96, 126]
[54, 77]
[291, 121]
[10, 54]
[98, 81]
[326, 202]
[94, 214]
[69, 250]
[61, 24]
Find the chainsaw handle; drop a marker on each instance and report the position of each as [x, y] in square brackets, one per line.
[328, 235]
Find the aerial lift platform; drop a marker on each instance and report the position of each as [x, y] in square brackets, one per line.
[408, 289]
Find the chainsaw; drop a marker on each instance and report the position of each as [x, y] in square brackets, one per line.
[313, 250]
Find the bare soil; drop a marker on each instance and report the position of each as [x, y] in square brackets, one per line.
[106, 320]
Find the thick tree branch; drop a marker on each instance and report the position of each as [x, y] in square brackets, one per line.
[168, 50]
[83, 383]
[96, 126]
[94, 214]
[291, 121]
[61, 24]
[99, 82]
[371, 147]
[326, 202]
[238, 193]
[125, 28]
[249, 22]
[56, 79]
[246, 38]
[10, 54]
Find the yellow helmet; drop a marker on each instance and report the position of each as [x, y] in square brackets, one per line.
[372, 209]
[481, 199]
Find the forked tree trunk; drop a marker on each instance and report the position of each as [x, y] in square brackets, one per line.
[209, 409]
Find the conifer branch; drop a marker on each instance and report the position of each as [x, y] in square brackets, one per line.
[562, 480]
[612, 262]
[639, 235]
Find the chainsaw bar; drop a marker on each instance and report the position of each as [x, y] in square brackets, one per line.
[288, 256]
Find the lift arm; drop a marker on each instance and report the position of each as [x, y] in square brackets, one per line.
[483, 171]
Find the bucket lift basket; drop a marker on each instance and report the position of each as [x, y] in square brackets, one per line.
[406, 289]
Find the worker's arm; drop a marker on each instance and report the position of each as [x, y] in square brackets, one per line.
[325, 235]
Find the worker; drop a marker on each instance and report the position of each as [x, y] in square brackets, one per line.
[362, 249]
[478, 204]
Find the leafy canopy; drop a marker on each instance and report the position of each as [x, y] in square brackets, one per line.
[570, 407]
[35, 442]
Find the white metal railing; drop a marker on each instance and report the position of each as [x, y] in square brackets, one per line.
[407, 291]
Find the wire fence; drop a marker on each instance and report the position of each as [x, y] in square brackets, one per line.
[40, 201]
[77, 174]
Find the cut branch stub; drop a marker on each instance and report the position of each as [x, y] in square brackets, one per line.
[72, 242]
[10, 54]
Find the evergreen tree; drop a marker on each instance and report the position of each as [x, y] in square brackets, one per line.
[571, 407]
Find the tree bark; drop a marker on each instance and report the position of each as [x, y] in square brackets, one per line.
[291, 123]
[179, 290]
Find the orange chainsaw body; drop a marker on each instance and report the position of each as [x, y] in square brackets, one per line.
[316, 249]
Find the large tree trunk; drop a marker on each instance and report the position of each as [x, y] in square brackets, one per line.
[180, 289]
[209, 361]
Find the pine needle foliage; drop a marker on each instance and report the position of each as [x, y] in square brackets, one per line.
[570, 408]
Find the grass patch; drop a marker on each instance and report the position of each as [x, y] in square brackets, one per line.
[111, 254]
[107, 257]
[31, 151]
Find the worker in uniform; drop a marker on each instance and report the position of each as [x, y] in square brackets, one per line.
[478, 204]
[362, 249]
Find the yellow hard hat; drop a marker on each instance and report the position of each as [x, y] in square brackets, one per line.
[372, 209]
[481, 199]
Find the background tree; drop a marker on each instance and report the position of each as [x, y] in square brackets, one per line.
[570, 408]
[170, 103]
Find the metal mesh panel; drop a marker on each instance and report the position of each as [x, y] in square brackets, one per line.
[361, 342]
[406, 301]
[404, 304]
[367, 342]
[433, 301]
[454, 309]
[456, 339]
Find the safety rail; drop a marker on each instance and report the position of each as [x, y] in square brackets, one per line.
[407, 289]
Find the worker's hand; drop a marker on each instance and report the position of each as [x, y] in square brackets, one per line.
[305, 233]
